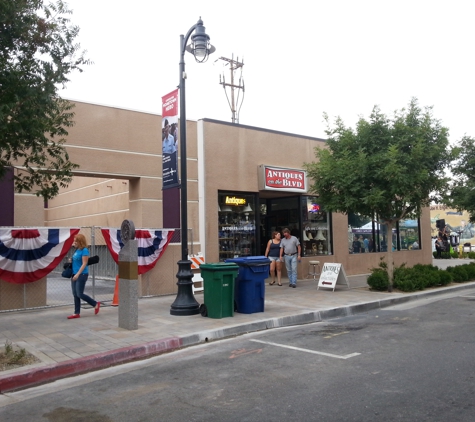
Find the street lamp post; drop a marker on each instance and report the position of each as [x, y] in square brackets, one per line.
[185, 302]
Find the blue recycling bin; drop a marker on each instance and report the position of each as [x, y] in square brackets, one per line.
[249, 288]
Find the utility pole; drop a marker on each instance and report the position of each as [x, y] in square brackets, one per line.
[236, 101]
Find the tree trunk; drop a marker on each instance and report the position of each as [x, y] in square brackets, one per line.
[390, 257]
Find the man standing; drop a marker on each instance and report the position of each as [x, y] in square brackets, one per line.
[356, 245]
[290, 250]
[366, 244]
[168, 141]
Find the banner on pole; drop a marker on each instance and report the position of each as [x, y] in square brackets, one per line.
[332, 274]
[170, 140]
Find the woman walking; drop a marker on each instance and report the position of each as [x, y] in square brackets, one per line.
[273, 253]
[79, 278]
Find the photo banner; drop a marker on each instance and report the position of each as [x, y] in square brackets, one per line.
[170, 140]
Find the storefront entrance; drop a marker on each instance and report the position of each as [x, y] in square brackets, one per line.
[277, 214]
[304, 217]
[246, 223]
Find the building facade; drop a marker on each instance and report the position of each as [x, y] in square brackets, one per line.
[243, 183]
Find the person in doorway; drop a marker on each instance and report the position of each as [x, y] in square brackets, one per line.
[356, 245]
[273, 253]
[290, 250]
[79, 278]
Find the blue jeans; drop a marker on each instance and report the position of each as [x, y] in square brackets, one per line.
[77, 288]
[291, 266]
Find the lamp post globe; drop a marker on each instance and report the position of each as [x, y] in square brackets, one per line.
[185, 302]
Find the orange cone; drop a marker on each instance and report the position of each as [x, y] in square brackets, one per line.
[115, 300]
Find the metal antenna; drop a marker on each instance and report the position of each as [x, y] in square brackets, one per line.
[236, 101]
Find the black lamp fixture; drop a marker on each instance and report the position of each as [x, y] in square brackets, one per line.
[185, 302]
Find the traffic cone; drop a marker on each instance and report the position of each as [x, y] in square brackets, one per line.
[115, 300]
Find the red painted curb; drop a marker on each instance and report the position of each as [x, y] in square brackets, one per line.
[49, 373]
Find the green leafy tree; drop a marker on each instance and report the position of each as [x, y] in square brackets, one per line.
[461, 194]
[37, 53]
[389, 167]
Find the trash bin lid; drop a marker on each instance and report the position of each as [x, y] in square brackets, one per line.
[219, 266]
[250, 261]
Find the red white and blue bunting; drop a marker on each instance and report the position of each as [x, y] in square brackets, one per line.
[151, 245]
[26, 255]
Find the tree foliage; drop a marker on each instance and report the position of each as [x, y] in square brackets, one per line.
[389, 167]
[37, 53]
[461, 194]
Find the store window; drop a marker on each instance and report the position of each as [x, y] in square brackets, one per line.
[316, 233]
[366, 235]
[237, 225]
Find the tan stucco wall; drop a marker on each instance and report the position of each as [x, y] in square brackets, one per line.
[120, 173]
[28, 210]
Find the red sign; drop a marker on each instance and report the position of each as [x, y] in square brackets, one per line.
[285, 179]
[170, 105]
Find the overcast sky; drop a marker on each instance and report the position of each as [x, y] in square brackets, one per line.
[301, 58]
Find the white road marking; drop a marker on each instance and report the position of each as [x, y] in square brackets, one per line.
[307, 350]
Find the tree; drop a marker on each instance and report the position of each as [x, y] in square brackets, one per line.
[461, 193]
[37, 53]
[390, 168]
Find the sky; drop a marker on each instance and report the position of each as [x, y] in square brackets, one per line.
[301, 59]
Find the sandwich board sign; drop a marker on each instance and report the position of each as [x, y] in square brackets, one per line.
[332, 274]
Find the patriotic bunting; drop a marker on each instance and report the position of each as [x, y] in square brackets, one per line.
[151, 245]
[26, 255]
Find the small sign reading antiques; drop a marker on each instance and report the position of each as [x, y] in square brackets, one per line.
[332, 274]
[282, 179]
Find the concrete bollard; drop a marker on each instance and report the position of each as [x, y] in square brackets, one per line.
[128, 279]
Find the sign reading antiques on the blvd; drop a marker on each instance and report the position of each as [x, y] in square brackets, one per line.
[282, 179]
[332, 274]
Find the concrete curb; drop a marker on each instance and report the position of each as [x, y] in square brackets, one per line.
[41, 375]
[44, 374]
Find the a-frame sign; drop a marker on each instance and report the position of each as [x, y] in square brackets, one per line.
[332, 274]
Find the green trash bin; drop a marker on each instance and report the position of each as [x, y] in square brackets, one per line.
[218, 284]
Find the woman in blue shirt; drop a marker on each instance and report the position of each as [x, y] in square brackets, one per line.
[79, 278]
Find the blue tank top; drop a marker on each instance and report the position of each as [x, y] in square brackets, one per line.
[274, 250]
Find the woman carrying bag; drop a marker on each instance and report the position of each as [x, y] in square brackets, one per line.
[80, 275]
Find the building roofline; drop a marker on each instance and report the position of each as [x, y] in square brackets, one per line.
[220, 122]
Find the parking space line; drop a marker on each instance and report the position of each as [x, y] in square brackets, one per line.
[307, 350]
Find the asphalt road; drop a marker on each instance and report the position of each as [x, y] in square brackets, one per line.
[412, 362]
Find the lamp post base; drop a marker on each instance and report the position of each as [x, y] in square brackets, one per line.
[185, 302]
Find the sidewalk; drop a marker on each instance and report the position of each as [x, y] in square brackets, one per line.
[70, 347]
